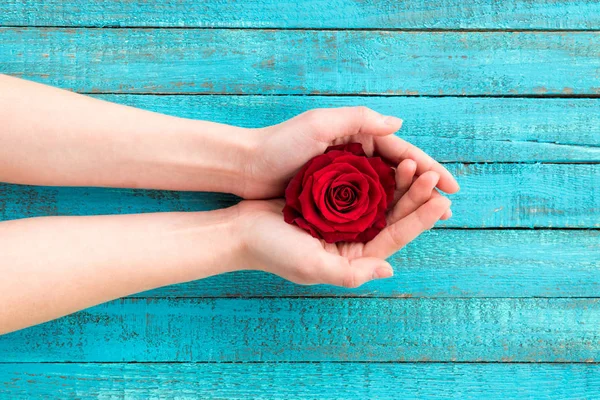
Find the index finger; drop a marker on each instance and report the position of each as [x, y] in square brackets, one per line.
[395, 149]
[397, 235]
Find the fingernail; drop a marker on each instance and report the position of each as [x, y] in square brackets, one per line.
[393, 121]
[449, 213]
[383, 272]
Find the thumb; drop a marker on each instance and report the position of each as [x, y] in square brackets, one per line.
[353, 273]
[334, 123]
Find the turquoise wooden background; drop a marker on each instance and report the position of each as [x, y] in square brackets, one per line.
[501, 301]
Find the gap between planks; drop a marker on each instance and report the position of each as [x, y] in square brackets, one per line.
[461, 96]
[428, 30]
[301, 362]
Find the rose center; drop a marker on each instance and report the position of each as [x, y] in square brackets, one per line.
[343, 197]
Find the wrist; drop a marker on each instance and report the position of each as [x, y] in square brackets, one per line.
[201, 244]
[196, 156]
[217, 157]
[240, 226]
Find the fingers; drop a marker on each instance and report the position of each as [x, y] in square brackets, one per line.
[396, 150]
[405, 174]
[399, 234]
[420, 191]
[340, 271]
[448, 213]
[333, 123]
[405, 178]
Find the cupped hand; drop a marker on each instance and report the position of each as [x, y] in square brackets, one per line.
[281, 150]
[272, 245]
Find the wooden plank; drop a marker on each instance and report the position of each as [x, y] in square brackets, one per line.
[302, 330]
[308, 381]
[20, 201]
[491, 196]
[304, 62]
[411, 14]
[450, 129]
[447, 263]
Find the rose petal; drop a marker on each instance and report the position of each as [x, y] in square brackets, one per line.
[360, 163]
[357, 208]
[334, 237]
[320, 191]
[361, 184]
[354, 148]
[322, 183]
[289, 214]
[309, 210]
[317, 163]
[344, 196]
[331, 171]
[301, 223]
[387, 177]
[341, 195]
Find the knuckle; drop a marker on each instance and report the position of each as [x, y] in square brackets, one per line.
[314, 119]
[350, 281]
[426, 225]
[395, 235]
[313, 115]
[362, 111]
[308, 272]
[414, 195]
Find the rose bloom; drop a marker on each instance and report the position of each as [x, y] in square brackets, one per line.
[341, 196]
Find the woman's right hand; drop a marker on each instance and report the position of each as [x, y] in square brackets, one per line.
[270, 244]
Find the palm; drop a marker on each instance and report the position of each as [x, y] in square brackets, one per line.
[288, 251]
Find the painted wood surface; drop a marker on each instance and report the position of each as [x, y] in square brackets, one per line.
[447, 263]
[450, 129]
[310, 381]
[304, 61]
[476, 293]
[411, 14]
[492, 195]
[302, 330]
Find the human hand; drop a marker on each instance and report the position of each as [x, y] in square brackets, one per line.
[279, 151]
[272, 245]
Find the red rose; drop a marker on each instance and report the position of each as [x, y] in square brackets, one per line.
[341, 196]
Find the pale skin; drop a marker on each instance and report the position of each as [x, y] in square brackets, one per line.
[53, 266]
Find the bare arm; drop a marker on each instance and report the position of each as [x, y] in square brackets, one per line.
[57, 265]
[53, 266]
[50, 136]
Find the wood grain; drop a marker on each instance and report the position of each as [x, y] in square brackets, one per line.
[447, 263]
[307, 381]
[411, 14]
[304, 61]
[294, 330]
[491, 196]
[471, 288]
[450, 129]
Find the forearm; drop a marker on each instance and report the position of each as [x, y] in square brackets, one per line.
[53, 266]
[50, 136]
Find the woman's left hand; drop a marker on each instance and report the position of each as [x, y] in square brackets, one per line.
[279, 151]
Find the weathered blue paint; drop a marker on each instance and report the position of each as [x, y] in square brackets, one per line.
[292, 330]
[447, 263]
[19, 201]
[306, 381]
[492, 195]
[443, 270]
[304, 61]
[450, 129]
[412, 14]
